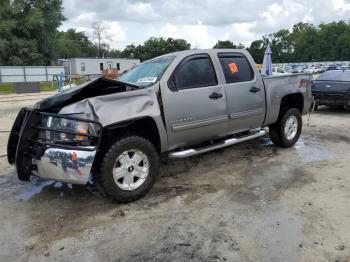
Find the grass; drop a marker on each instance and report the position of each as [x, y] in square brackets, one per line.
[7, 88]
[46, 86]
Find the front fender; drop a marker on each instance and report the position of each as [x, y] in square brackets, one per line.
[121, 107]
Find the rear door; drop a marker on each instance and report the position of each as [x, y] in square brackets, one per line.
[245, 92]
[194, 100]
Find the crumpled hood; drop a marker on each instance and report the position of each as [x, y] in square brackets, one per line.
[118, 107]
[97, 87]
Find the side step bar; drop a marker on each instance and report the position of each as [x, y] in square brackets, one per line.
[225, 143]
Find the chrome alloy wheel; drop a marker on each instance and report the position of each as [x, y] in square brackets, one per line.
[291, 127]
[131, 169]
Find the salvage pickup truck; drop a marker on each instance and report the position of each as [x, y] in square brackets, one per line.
[111, 133]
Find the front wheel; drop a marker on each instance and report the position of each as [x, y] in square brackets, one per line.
[129, 169]
[287, 130]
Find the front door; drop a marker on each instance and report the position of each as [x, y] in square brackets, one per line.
[245, 92]
[195, 105]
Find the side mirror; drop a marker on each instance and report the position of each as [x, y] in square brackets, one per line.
[172, 83]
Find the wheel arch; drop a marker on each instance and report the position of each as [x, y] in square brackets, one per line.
[295, 100]
[146, 127]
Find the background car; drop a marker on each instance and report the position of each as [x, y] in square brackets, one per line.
[321, 68]
[279, 71]
[332, 88]
[310, 70]
[334, 67]
[296, 69]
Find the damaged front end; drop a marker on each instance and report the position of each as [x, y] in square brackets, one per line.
[53, 146]
[58, 138]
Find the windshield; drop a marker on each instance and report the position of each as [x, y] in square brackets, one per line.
[148, 72]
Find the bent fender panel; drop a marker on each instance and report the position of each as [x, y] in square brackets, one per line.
[120, 107]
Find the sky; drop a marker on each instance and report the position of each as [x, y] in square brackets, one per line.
[200, 22]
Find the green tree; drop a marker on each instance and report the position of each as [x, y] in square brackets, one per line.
[131, 51]
[76, 44]
[334, 41]
[116, 53]
[257, 49]
[224, 44]
[27, 31]
[227, 44]
[154, 47]
[306, 43]
[281, 45]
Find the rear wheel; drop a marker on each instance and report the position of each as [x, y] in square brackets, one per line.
[287, 130]
[129, 169]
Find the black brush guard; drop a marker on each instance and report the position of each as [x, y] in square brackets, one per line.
[24, 143]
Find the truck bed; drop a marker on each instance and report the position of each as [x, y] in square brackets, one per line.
[277, 87]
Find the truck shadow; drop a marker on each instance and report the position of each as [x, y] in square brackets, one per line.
[203, 173]
[250, 173]
[236, 169]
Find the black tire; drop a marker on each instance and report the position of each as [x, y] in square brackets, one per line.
[273, 133]
[106, 180]
[277, 130]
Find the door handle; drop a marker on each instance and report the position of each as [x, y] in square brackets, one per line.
[215, 96]
[254, 89]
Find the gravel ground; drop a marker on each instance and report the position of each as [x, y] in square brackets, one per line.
[249, 202]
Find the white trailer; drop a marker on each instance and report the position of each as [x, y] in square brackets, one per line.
[95, 66]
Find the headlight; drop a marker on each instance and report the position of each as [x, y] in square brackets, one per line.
[74, 126]
[72, 130]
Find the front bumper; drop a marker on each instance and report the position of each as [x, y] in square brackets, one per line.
[60, 165]
[332, 99]
[35, 154]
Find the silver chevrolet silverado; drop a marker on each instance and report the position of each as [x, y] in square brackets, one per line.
[111, 133]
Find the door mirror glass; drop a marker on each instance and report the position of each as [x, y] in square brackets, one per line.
[172, 83]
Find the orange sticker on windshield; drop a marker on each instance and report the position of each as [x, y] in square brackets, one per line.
[233, 68]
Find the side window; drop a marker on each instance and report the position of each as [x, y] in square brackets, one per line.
[236, 68]
[118, 66]
[197, 71]
[101, 66]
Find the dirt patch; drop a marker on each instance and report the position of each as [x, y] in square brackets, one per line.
[249, 202]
